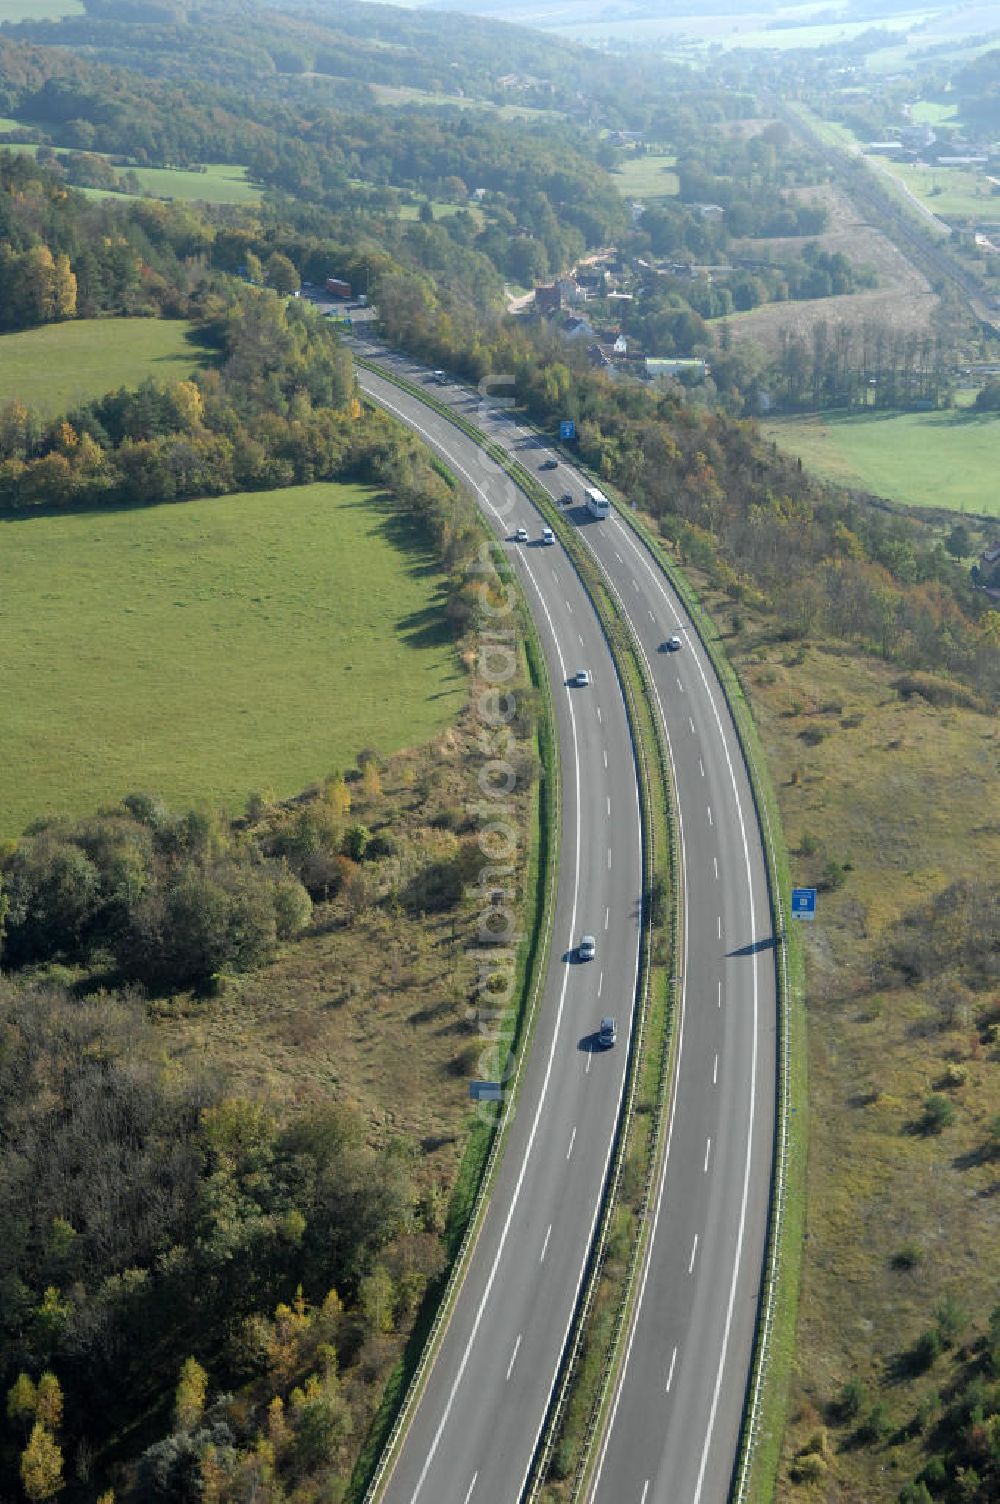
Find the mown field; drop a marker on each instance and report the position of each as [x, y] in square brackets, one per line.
[939, 459]
[52, 368]
[947, 190]
[219, 183]
[647, 176]
[211, 648]
[443, 210]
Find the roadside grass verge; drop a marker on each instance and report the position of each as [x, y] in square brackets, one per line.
[216, 647]
[894, 792]
[942, 459]
[55, 367]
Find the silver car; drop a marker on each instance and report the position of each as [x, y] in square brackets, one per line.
[588, 948]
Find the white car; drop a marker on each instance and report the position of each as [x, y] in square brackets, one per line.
[607, 1034]
[548, 536]
[521, 536]
[588, 948]
[671, 645]
[582, 678]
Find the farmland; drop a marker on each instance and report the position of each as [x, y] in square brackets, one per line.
[210, 648]
[902, 299]
[58, 365]
[937, 459]
[947, 191]
[649, 176]
[212, 183]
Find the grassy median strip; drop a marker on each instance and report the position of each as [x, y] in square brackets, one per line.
[624, 1221]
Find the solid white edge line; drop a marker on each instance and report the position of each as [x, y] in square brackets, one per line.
[621, 1085]
[515, 1196]
[753, 1054]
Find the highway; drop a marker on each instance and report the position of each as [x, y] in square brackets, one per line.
[473, 1434]
[678, 1403]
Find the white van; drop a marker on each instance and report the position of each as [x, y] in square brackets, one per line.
[548, 536]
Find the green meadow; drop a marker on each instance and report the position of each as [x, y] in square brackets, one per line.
[59, 365]
[211, 648]
[647, 175]
[938, 459]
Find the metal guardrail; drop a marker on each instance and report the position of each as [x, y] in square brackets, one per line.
[585, 1306]
[584, 565]
[736, 700]
[456, 1277]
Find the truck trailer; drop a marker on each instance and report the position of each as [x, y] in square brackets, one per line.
[338, 288]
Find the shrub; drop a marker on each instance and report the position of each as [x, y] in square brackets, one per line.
[850, 1400]
[951, 1320]
[808, 1469]
[938, 1113]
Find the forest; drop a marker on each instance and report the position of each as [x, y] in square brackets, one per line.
[197, 1289]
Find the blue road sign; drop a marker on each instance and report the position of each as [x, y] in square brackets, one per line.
[567, 429]
[803, 903]
[485, 1091]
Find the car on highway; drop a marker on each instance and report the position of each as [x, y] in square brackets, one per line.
[521, 536]
[566, 499]
[607, 1034]
[548, 536]
[671, 645]
[587, 949]
[549, 465]
[582, 678]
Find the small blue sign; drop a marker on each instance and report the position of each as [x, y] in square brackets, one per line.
[803, 903]
[567, 429]
[485, 1091]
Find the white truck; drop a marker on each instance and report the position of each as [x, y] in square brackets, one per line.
[598, 504]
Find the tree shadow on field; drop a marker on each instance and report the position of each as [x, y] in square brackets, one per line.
[406, 534]
[427, 628]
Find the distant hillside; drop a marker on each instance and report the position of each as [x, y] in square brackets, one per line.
[332, 54]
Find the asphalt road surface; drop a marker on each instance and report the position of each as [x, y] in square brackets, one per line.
[675, 1418]
[474, 1431]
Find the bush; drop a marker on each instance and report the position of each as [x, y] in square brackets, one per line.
[876, 1424]
[850, 1400]
[938, 1113]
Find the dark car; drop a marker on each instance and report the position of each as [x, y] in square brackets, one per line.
[607, 1034]
[548, 465]
[566, 499]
